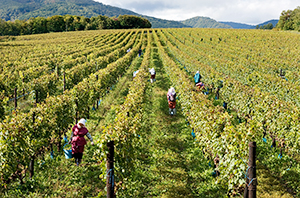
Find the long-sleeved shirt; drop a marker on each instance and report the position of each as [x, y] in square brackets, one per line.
[88, 135]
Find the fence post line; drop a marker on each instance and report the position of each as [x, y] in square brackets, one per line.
[252, 170]
[110, 170]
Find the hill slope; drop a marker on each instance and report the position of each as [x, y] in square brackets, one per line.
[273, 21]
[204, 22]
[246, 26]
[25, 9]
[238, 25]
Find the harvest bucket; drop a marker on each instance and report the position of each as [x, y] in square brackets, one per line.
[68, 153]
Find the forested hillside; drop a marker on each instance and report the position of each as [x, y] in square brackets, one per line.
[204, 22]
[25, 9]
[67, 23]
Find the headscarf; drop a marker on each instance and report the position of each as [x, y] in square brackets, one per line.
[152, 70]
[171, 91]
[81, 121]
[135, 73]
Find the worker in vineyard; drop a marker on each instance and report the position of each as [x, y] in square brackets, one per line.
[152, 72]
[140, 52]
[78, 141]
[128, 50]
[216, 165]
[172, 101]
[135, 73]
[200, 86]
[197, 78]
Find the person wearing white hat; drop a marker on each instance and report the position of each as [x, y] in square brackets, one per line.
[135, 73]
[78, 141]
[152, 72]
[197, 78]
[171, 95]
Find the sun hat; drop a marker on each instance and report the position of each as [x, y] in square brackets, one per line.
[82, 121]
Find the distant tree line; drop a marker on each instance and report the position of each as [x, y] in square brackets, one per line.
[289, 20]
[268, 26]
[59, 23]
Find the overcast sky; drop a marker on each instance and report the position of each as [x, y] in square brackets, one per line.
[242, 11]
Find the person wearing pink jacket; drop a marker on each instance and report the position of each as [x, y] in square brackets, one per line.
[171, 95]
[78, 141]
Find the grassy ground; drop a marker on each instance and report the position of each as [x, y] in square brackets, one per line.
[269, 185]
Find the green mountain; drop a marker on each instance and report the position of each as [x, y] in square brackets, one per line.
[238, 25]
[246, 26]
[25, 9]
[204, 22]
[273, 21]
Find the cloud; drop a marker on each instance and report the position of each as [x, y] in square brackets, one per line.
[149, 6]
[245, 11]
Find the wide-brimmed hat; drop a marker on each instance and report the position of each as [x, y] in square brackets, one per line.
[82, 121]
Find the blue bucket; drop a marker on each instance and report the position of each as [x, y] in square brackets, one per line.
[68, 153]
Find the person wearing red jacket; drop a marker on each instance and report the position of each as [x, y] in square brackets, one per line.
[172, 101]
[78, 141]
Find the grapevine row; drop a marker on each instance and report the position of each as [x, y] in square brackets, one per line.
[250, 102]
[21, 137]
[243, 132]
[18, 78]
[49, 84]
[126, 128]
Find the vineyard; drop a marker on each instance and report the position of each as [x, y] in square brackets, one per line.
[252, 87]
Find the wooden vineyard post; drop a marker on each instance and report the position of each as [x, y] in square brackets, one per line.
[97, 105]
[23, 87]
[16, 100]
[57, 71]
[252, 171]
[31, 164]
[88, 112]
[76, 116]
[36, 97]
[218, 93]
[31, 167]
[59, 141]
[110, 170]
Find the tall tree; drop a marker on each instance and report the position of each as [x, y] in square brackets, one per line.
[56, 24]
[289, 20]
[39, 25]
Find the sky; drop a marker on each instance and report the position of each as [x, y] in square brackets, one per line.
[242, 11]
